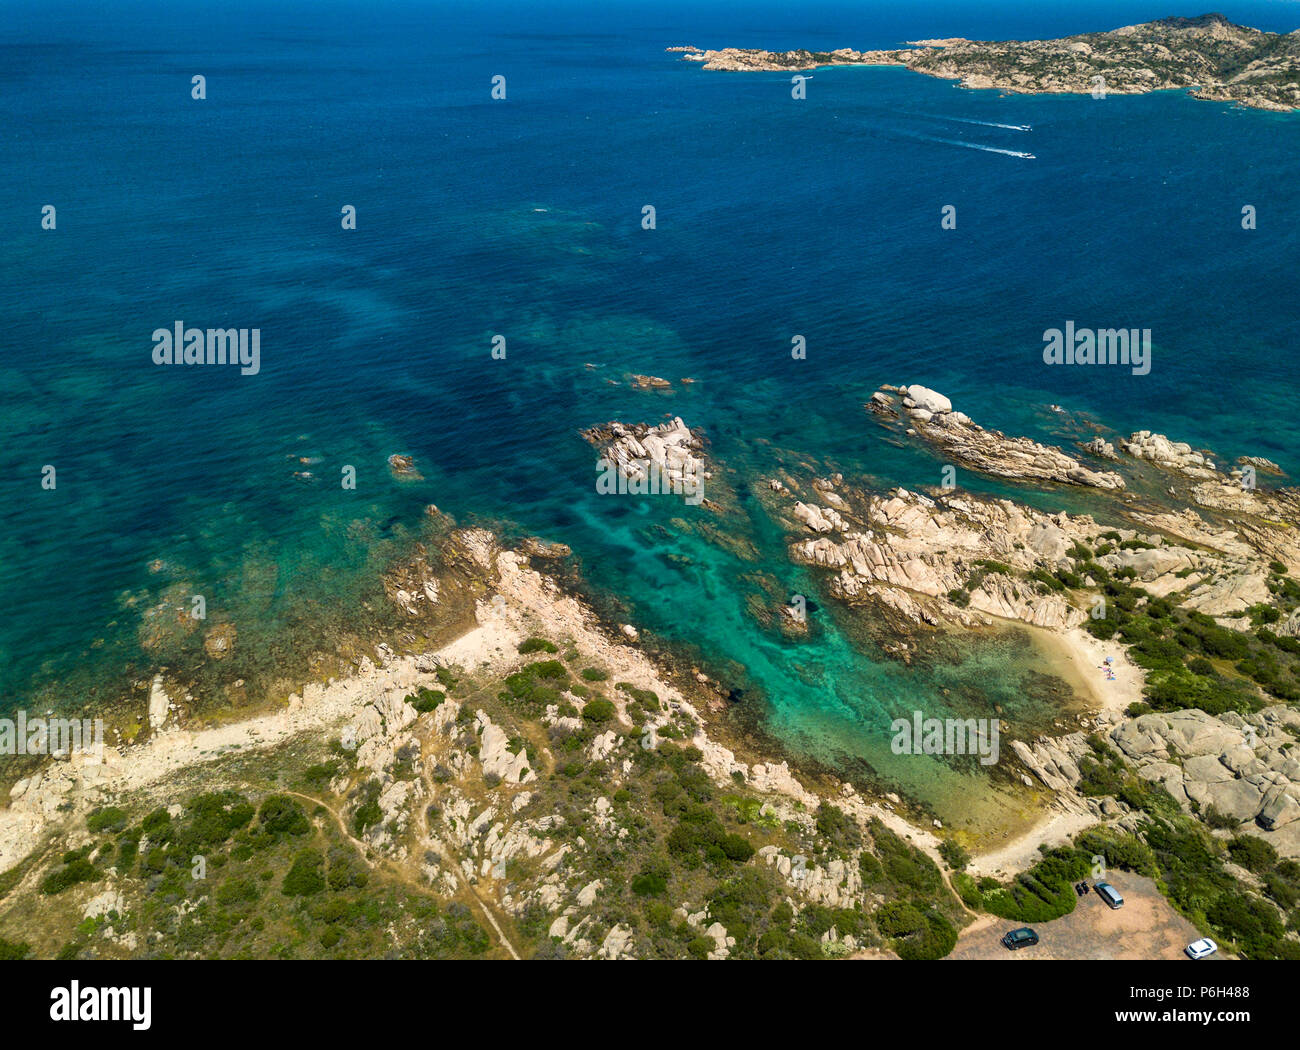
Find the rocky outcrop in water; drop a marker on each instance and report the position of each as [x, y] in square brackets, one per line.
[956, 436]
[642, 382]
[669, 453]
[1171, 455]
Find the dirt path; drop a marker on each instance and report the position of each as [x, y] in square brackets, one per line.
[442, 849]
[405, 875]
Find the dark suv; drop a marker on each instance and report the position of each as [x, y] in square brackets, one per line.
[1021, 938]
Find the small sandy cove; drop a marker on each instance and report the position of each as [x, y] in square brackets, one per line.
[1079, 659]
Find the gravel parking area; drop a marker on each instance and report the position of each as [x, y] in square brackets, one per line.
[1146, 927]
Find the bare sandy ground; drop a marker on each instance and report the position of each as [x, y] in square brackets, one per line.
[1055, 828]
[1079, 659]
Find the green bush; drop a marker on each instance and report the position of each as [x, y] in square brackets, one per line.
[1098, 779]
[367, 812]
[1252, 853]
[968, 890]
[915, 933]
[1103, 627]
[71, 873]
[305, 876]
[320, 773]
[215, 816]
[537, 645]
[1249, 921]
[737, 848]
[936, 940]
[801, 946]
[1120, 850]
[1261, 613]
[345, 871]
[128, 846]
[536, 686]
[953, 855]
[598, 710]
[280, 815]
[647, 698]
[899, 919]
[158, 826]
[652, 880]
[237, 890]
[699, 947]
[425, 699]
[906, 866]
[109, 818]
[1047, 580]
[1044, 892]
[870, 867]
[837, 828]
[742, 903]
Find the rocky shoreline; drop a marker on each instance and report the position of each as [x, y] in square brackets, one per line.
[1209, 57]
[1215, 557]
[1208, 565]
[960, 438]
[460, 846]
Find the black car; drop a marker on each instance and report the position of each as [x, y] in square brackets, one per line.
[1021, 938]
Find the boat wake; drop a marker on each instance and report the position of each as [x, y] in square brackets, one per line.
[913, 115]
[991, 124]
[983, 149]
[916, 136]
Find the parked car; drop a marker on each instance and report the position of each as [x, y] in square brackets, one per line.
[1109, 894]
[1200, 949]
[1021, 938]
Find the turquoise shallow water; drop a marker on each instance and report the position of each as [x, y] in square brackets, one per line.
[522, 218]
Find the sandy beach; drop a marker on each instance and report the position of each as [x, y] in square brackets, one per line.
[1080, 659]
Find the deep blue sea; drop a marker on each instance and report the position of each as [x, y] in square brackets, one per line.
[522, 217]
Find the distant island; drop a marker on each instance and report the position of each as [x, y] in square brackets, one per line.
[1209, 55]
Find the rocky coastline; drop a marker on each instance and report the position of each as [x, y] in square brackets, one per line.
[1216, 557]
[1207, 567]
[468, 823]
[1209, 57]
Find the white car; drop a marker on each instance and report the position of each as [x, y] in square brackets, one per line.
[1200, 949]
